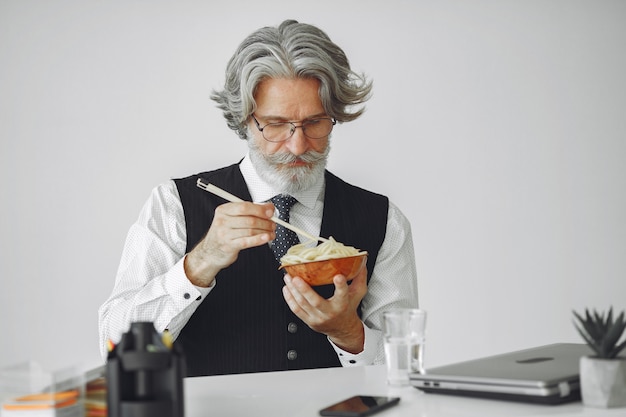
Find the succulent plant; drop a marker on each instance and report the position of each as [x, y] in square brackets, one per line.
[601, 332]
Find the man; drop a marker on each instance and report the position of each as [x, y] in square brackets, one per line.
[204, 269]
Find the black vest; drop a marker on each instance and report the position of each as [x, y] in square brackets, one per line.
[245, 325]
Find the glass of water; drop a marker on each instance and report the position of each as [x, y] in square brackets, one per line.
[404, 337]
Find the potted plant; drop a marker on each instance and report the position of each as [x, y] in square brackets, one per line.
[603, 375]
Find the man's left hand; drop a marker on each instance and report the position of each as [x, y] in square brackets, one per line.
[336, 317]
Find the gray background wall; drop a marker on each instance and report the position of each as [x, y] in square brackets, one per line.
[497, 126]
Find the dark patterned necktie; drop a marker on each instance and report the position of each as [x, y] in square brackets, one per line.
[285, 238]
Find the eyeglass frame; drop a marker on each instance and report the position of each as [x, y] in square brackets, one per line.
[294, 127]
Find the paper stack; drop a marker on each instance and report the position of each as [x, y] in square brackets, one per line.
[27, 390]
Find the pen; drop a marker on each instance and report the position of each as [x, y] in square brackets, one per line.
[167, 339]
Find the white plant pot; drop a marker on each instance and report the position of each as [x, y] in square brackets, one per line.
[603, 382]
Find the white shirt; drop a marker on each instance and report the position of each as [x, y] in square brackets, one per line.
[151, 284]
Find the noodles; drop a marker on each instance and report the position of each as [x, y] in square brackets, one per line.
[327, 250]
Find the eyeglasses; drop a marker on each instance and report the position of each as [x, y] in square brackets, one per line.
[281, 131]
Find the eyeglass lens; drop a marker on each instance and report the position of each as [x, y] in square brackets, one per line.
[312, 129]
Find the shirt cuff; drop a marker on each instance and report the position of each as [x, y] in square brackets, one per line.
[366, 357]
[182, 291]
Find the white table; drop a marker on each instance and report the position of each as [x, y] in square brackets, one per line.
[304, 393]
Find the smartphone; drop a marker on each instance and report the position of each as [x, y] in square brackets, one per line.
[359, 405]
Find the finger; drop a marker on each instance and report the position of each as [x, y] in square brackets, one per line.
[294, 291]
[245, 215]
[307, 296]
[358, 286]
[239, 224]
[226, 239]
[341, 287]
[293, 304]
[261, 210]
[253, 240]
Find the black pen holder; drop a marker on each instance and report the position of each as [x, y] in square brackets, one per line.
[145, 375]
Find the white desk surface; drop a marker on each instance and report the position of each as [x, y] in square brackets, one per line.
[304, 393]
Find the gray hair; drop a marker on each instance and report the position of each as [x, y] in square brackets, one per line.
[291, 50]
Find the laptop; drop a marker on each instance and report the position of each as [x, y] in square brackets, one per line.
[546, 374]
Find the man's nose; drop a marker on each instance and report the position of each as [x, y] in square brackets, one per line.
[297, 143]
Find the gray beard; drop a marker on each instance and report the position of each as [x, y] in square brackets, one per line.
[287, 179]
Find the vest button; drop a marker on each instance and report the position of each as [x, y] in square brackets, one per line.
[292, 327]
[292, 355]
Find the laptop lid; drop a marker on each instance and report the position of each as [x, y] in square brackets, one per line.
[545, 374]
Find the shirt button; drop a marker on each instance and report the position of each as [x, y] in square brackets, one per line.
[292, 355]
[292, 327]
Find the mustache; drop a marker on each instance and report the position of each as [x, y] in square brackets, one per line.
[309, 157]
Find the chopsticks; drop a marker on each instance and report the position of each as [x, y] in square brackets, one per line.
[234, 199]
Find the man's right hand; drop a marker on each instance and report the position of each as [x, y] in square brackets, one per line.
[235, 226]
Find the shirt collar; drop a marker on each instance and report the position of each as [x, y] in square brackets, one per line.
[261, 191]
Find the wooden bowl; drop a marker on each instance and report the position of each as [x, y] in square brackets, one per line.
[322, 272]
